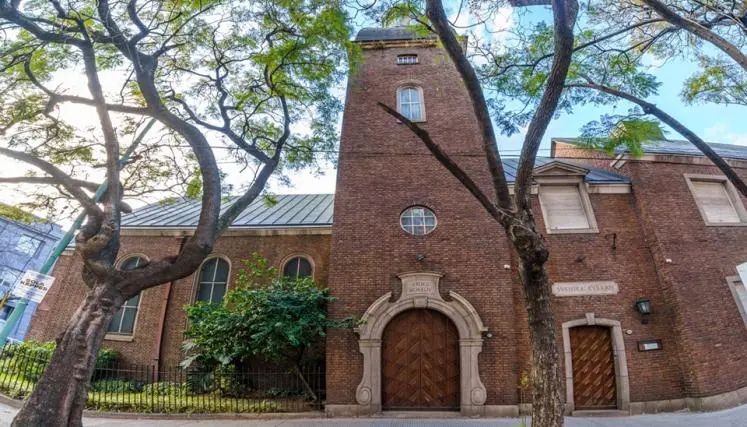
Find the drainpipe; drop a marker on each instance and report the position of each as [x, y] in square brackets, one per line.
[164, 311]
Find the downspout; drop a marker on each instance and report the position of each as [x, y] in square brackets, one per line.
[164, 311]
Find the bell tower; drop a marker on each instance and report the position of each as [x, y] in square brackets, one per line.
[399, 213]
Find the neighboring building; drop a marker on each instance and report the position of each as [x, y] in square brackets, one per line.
[435, 279]
[23, 247]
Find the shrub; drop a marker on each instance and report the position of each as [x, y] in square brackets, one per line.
[165, 388]
[114, 385]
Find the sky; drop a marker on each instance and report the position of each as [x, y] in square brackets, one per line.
[715, 123]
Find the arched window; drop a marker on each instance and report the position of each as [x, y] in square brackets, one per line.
[410, 103]
[298, 267]
[123, 323]
[213, 280]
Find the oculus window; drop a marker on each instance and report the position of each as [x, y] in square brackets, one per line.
[418, 220]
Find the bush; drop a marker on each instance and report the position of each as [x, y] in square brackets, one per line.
[165, 388]
[117, 385]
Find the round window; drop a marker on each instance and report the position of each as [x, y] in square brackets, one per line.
[418, 220]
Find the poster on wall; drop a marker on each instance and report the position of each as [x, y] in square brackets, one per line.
[33, 286]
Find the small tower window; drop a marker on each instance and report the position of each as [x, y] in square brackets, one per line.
[410, 103]
[418, 220]
[407, 59]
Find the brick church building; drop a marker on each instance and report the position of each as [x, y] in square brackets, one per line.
[646, 256]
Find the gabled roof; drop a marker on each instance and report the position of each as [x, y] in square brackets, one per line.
[291, 210]
[373, 34]
[594, 176]
[679, 148]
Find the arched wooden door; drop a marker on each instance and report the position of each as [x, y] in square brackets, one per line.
[593, 368]
[420, 362]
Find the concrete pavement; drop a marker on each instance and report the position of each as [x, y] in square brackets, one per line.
[736, 417]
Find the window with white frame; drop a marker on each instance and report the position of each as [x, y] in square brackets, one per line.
[407, 59]
[123, 322]
[213, 281]
[740, 295]
[566, 209]
[418, 220]
[717, 200]
[298, 267]
[410, 103]
[28, 245]
[8, 276]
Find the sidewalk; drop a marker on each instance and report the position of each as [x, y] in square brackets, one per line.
[736, 417]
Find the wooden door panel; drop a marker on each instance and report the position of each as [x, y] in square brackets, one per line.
[420, 358]
[593, 368]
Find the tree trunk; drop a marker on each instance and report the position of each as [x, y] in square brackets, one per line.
[60, 396]
[547, 406]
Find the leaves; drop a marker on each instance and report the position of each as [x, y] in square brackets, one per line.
[275, 319]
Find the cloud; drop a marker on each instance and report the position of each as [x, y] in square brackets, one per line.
[720, 132]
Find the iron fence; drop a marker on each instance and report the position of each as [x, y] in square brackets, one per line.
[140, 388]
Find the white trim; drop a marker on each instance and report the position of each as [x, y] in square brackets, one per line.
[585, 202]
[732, 282]
[196, 283]
[232, 231]
[731, 192]
[420, 95]
[122, 337]
[618, 351]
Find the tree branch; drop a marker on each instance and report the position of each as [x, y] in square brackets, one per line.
[652, 109]
[437, 15]
[61, 178]
[450, 164]
[564, 17]
[90, 186]
[698, 30]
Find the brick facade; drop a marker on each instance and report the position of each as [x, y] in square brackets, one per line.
[651, 241]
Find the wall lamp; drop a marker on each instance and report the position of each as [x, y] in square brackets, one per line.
[643, 307]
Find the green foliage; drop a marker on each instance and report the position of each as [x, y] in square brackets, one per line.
[276, 320]
[612, 132]
[719, 81]
[116, 385]
[165, 388]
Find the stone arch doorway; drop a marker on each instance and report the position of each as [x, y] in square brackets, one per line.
[606, 338]
[420, 362]
[420, 291]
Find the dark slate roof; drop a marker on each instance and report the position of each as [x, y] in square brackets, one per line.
[595, 175]
[373, 34]
[291, 210]
[681, 148]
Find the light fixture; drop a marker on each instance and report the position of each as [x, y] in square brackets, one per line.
[643, 307]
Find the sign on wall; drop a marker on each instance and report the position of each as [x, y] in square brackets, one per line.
[33, 286]
[573, 289]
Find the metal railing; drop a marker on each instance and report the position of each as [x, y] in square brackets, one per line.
[140, 388]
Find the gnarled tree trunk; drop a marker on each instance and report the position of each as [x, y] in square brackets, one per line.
[60, 396]
[547, 406]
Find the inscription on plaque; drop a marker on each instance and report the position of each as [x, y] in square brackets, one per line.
[420, 287]
[572, 289]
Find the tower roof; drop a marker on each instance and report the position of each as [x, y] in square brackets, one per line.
[375, 34]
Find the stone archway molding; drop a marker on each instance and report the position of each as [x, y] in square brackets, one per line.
[420, 290]
[618, 350]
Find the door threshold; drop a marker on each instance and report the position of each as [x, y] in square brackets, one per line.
[600, 413]
[415, 413]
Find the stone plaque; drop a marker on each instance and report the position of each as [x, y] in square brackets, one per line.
[420, 284]
[573, 289]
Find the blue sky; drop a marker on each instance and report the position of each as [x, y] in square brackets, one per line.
[714, 123]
